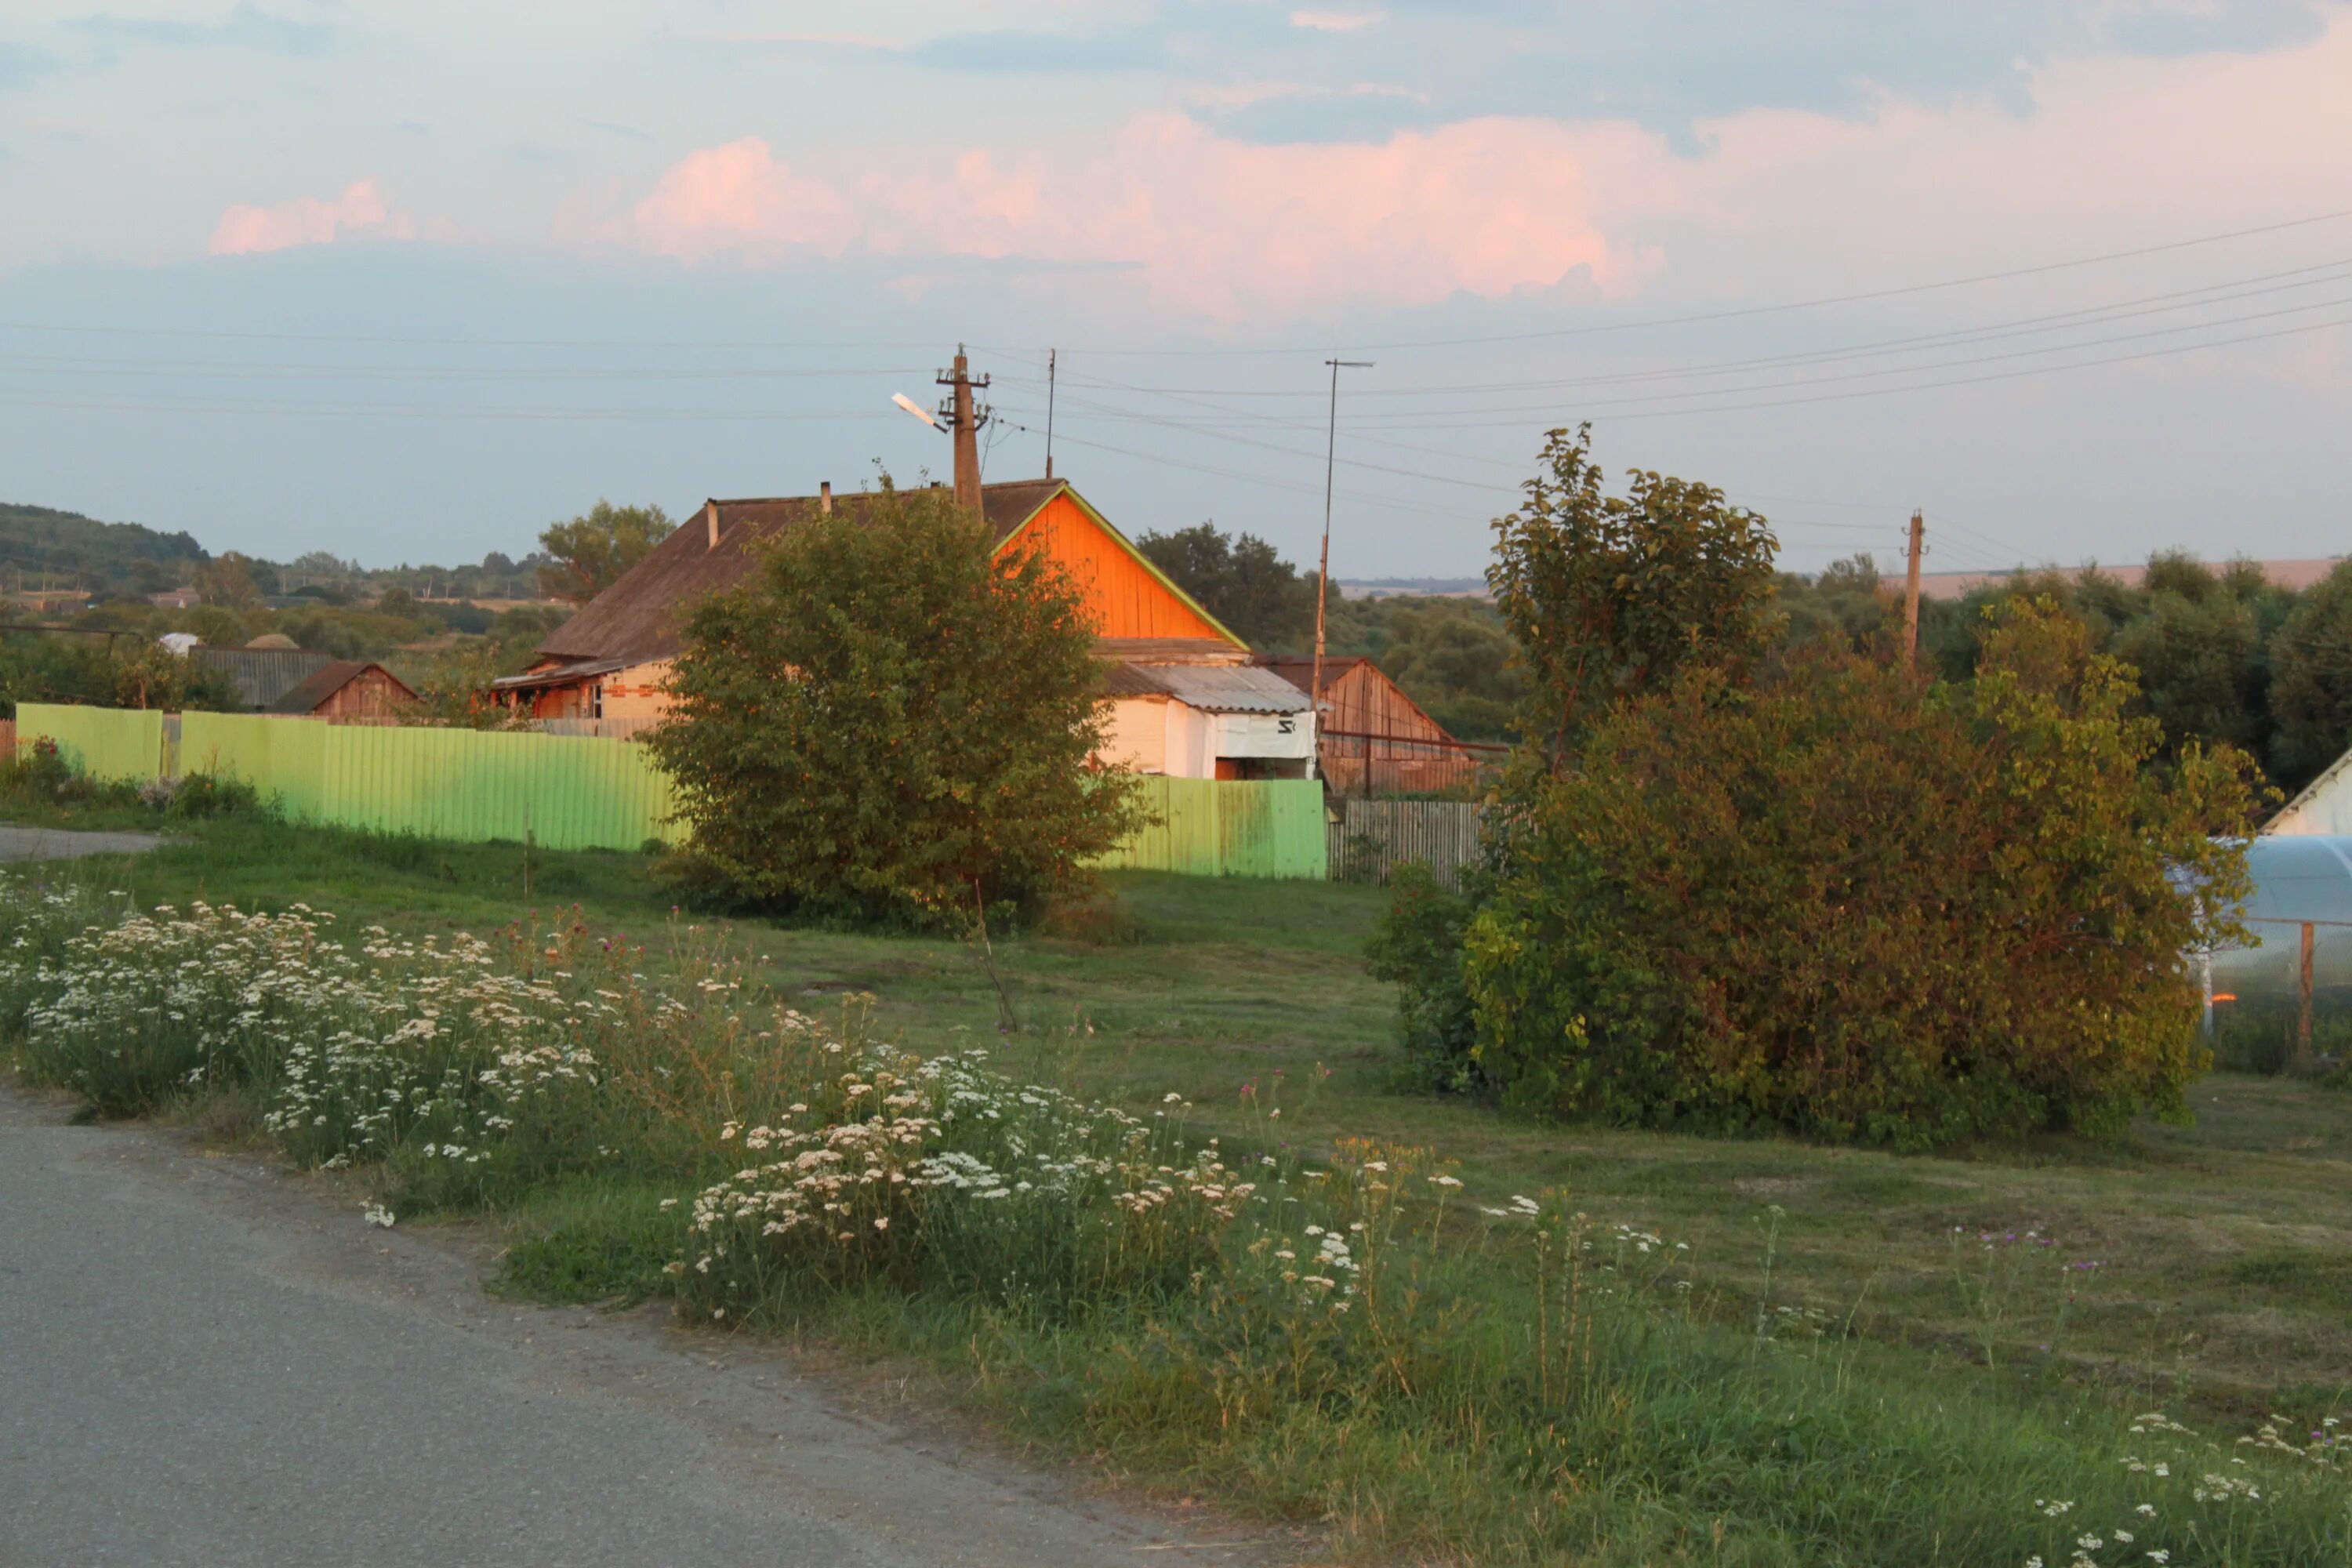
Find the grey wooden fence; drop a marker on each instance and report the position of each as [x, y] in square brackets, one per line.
[1372, 838]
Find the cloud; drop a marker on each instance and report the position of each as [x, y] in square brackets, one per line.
[1210, 224]
[739, 199]
[21, 67]
[248, 27]
[246, 230]
[1334, 21]
[1766, 203]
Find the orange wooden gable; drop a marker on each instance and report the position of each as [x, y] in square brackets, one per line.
[1130, 597]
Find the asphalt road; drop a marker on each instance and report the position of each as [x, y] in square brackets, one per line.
[66, 844]
[212, 1361]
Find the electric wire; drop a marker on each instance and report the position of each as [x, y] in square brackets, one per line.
[1814, 303]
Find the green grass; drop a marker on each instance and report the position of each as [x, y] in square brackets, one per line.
[2222, 1289]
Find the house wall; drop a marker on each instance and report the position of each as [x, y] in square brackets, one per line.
[1127, 600]
[640, 691]
[1134, 734]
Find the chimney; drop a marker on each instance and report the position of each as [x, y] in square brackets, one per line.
[711, 516]
[824, 498]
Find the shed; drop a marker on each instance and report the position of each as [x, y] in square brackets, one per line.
[1375, 740]
[1199, 720]
[347, 690]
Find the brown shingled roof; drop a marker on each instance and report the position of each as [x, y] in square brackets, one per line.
[635, 619]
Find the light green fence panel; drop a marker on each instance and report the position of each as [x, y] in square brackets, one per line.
[565, 792]
[590, 792]
[1210, 827]
[104, 742]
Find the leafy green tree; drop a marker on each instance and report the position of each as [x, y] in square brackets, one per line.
[2311, 681]
[1609, 596]
[227, 581]
[888, 722]
[1848, 903]
[1242, 581]
[590, 551]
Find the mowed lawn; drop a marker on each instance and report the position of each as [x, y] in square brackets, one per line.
[2207, 1270]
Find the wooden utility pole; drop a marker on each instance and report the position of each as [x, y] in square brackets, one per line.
[1911, 590]
[1323, 569]
[963, 422]
[1053, 359]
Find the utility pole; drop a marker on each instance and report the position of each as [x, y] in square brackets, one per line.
[963, 422]
[1323, 571]
[1052, 356]
[1911, 590]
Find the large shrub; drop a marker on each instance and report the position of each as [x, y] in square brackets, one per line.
[892, 723]
[1851, 904]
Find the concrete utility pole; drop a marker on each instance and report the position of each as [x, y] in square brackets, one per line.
[1323, 571]
[1911, 590]
[963, 422]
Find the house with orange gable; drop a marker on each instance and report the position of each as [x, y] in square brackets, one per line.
[1184, 697]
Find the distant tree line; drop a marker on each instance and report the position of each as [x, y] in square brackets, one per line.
[2223, 657]
[2221, 654]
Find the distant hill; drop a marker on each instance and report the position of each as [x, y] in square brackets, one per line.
[41, 547]
[1412, 587]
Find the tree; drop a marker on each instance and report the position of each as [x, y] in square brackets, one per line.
[2311, 681]
[1242, 581]
[228, 580]
[1609, 596]
[590, 552]
[1848, 904]
[1453, 658]
[890, 723]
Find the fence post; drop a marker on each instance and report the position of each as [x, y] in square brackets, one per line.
[2303, 1020]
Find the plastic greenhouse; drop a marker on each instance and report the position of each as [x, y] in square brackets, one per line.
[2289, 993]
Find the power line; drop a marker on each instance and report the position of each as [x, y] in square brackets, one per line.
[2088, 316]
[1808, 304]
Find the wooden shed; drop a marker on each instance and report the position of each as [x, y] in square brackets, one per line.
[1373, 740]
[347, 692]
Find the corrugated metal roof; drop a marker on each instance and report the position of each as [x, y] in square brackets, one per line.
[557, 675]
[1211, 688]
[263, 675]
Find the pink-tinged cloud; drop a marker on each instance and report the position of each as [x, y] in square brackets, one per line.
[1334, 21]
[740, 199]
[1775, 203]
[1485, 206]
[246, 230]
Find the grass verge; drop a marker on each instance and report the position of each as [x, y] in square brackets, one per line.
[1831, 1373]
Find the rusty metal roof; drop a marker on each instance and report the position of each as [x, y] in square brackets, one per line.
[1211, 688]
[635, 619]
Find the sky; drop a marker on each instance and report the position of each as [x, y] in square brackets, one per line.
[407, 283]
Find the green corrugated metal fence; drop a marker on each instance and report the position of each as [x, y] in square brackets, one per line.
[565, 792]
[589, 792]
[104, 742]
[1211, 827]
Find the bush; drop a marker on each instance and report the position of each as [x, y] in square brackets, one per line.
[890, 723]
[1418, 945]
[1851, 905]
